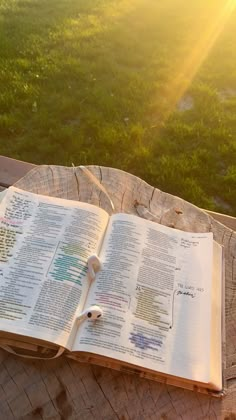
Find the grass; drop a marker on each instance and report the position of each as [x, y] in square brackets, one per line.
[99, 82]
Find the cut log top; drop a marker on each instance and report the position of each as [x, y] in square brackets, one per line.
[64, 389]
[11, 170]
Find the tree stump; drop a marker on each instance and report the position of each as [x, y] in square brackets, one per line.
[65, 389]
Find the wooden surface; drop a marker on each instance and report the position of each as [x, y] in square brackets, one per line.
[64, 389]
[229, 221]
[11, 170]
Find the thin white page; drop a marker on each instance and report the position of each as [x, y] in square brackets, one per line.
[216, 319]
[44, 246]
[155, 290]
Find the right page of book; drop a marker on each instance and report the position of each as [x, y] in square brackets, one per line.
[155, 291]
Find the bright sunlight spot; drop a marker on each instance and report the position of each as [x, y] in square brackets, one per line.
[142, 85]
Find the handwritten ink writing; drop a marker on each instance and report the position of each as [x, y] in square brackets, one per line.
[7, 242]
[180, 292]
[190, 287]
[186, 243]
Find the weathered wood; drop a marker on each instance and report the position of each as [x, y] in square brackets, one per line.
[229, 221]
[11, 170]
[64, 389]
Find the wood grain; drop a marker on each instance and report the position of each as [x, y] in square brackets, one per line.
[229, 221]
[11, 170]
[64, 389]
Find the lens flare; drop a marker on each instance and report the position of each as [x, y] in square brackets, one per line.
[177, 86]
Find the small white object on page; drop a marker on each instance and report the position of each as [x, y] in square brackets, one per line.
[94, 265]
[93, 312]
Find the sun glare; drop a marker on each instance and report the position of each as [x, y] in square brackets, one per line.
[189, 67]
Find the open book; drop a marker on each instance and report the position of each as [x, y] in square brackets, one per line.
[160, 290]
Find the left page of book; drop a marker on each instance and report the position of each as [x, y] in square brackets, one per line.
[44, 246]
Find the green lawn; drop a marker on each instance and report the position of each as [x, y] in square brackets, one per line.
[106, 81]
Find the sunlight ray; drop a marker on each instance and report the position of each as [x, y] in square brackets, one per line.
[177, 86]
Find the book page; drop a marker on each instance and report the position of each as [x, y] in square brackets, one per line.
[155, 291]
[217, 318]
[44, 246]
